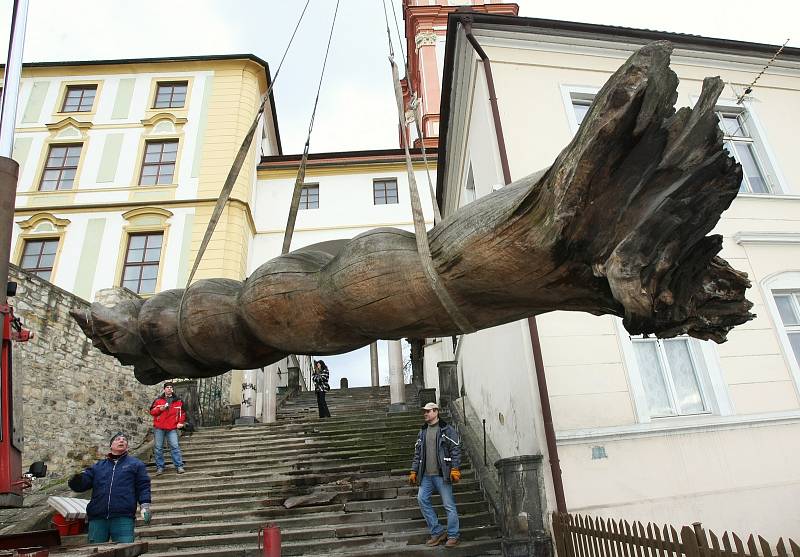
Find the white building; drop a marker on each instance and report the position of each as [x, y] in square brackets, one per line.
[673, 431]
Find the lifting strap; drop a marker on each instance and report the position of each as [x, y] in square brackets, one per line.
[413, 103]
[420, 232]
[301, 172]
[238, 161]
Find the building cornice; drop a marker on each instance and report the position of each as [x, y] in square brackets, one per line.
[767, 238]
[483, 24]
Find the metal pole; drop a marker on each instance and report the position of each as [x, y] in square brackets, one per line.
[13, 73]
[484, 441]
[8, 191]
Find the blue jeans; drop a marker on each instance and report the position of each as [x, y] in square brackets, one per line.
[445, 489]
[119, 530]
[158, 447]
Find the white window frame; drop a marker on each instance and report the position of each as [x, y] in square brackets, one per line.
[713, 388]
[777, 283]
[576, 93]
[468, 193]
[765, 157]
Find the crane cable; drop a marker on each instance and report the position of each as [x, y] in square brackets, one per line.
[301, 172]
[238, 161]
[420, 232]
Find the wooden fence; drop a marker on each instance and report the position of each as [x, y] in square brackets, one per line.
[584, 536]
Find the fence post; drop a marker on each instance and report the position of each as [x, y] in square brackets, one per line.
[559, 535]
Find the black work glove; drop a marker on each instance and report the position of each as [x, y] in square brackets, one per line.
[75, 483]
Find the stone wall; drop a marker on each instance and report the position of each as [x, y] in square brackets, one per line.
[74, 397]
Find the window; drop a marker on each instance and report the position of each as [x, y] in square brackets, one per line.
[79, 98]
[788, 303]
[469, 193]
[384, 192]
[581, 108]
[38, 257]
[141, 262]
[740, 144]
[170, 95]
[309, 197]
[60, 167]
[670, 378]
[158, 166]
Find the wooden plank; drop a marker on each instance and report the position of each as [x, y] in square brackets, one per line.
[780, 548]
[612, 539]
[597, 547]
[581, 528]
[622, 548]
[641, 550]
[660, 547]
[714, 543]
[739, 545]
[726, 543]
[676, 542]
[751, 546]
[689, 541]
[702, 541]
[766, 550]
[795, 548]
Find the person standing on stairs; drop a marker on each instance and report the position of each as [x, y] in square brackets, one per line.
[320, 378]
[168, 418]
[118, 482]
[437, 457]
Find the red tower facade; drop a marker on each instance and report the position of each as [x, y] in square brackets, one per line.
[425, 28]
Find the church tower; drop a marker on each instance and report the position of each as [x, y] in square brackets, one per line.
[426, 27]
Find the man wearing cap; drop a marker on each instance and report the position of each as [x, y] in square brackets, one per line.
[118, 482]
[168, 418]
[437, 458]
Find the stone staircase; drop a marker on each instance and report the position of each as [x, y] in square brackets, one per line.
[355, 463]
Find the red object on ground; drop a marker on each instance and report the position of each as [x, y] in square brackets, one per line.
[68, 527]
[11, 483]
[269, 540]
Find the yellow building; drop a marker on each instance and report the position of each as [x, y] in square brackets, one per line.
[122, 161]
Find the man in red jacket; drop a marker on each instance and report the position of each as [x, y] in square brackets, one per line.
[168, 418]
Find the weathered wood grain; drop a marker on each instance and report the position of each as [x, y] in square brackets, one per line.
[617, 225]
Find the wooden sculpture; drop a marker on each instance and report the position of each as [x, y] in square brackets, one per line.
[617, 225]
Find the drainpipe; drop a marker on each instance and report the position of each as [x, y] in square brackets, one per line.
[536, 348]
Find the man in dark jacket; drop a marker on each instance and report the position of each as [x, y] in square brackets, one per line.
[168, 418]
[437, 457]
[118, 482]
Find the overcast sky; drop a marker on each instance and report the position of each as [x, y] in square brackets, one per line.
[356, 107]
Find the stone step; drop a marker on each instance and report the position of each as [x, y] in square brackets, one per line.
[369, 548]
[376, 438]
[336, 481]
[365, 420]
[408, 509]
[281, 492]
[274, 506]
[323, 540]
[239, 476]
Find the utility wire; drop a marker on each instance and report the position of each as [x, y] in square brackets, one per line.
[749, 88]
[238, 161]
[301, 172]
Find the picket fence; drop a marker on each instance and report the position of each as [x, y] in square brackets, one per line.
[584, 536]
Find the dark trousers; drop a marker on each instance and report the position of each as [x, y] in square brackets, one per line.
[322, 405]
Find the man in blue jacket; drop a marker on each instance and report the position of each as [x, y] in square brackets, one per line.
[437, 457]
[118, 482]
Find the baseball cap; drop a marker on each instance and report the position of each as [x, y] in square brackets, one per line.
[431, 406]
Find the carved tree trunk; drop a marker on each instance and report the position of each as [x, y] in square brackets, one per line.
[616, 226]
